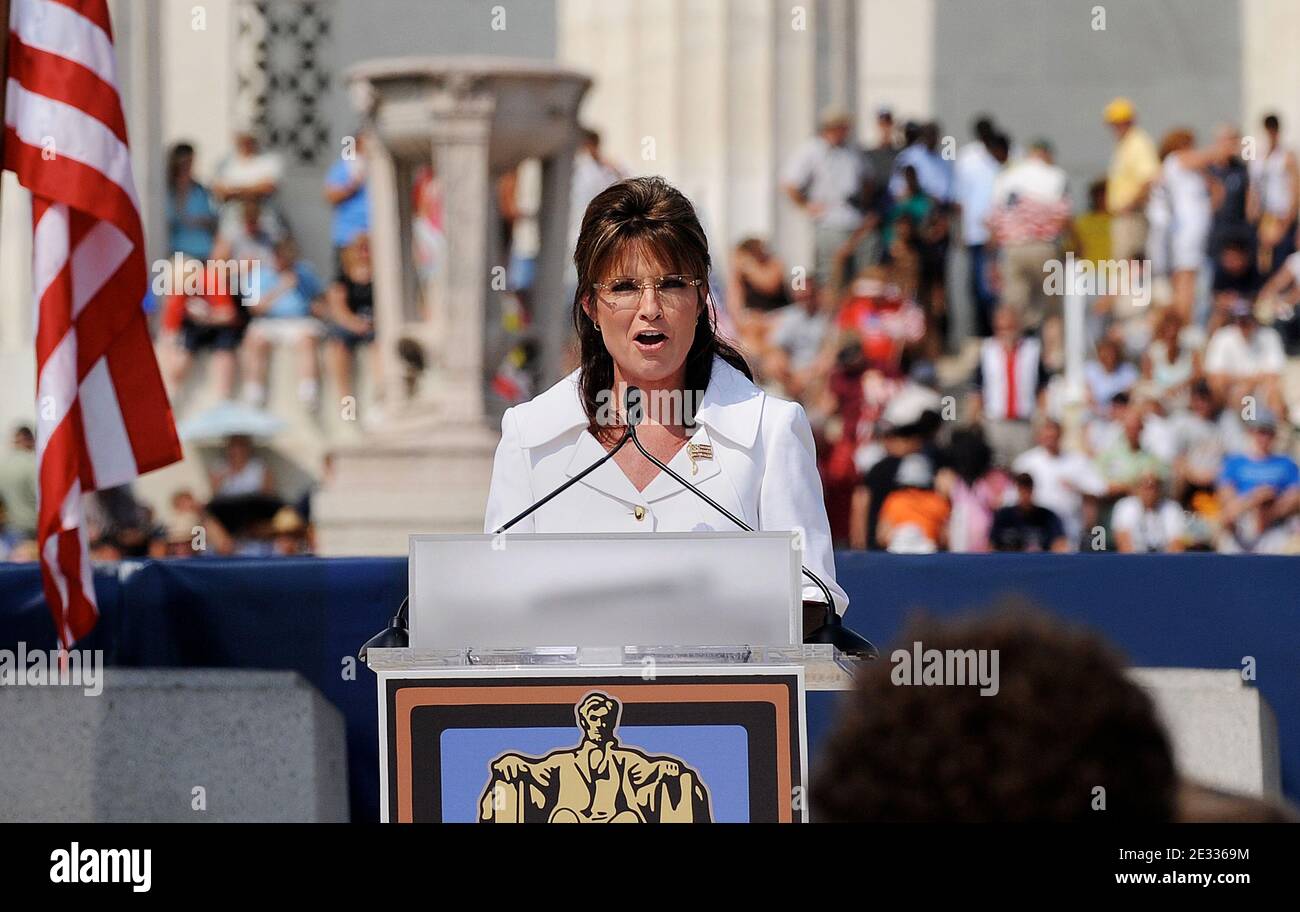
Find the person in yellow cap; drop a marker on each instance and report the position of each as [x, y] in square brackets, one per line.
[1133, 167]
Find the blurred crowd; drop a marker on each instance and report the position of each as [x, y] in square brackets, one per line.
[1172, 432]
[244, 515]
[272, 296]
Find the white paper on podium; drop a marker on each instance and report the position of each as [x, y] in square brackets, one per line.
[605, 590]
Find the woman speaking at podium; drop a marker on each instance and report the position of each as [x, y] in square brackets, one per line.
[644, 320]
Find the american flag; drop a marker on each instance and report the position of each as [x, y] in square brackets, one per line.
[102, 415]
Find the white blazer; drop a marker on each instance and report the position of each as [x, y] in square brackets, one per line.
[763, 469]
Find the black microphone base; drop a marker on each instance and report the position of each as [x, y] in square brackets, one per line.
[394, 636]
[842, 638]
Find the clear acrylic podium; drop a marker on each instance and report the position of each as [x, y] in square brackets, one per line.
[600, 678]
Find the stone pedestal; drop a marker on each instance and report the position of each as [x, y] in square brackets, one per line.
[425, 465]
[173, 745]
[1222, 731]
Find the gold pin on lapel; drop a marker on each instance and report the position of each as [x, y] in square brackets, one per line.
[639, 512]
[698, 451]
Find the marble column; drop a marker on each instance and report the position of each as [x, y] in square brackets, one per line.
[426, 464]
[387, 261]
[551, 309]
[895, 54]
[462, 124]
[139, 73]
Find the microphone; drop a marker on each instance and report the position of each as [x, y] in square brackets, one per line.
[832, 630]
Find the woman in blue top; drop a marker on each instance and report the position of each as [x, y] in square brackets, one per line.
[191, 212]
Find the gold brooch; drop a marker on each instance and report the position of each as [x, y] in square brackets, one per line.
[698, 451]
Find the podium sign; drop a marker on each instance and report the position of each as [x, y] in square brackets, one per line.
[613, 744]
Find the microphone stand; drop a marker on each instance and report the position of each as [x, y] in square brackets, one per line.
[397, 634]
[833, 632]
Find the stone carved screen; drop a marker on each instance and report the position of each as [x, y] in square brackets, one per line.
[284, 75]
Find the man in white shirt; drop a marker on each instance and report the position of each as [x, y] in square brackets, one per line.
[1200, 441]
[1008, 381]
[592, 173]
[1244, 359]
[828, 179]
[978, 164]
[1147, 521]
[248, 175]
[1029, 214]
[1061, 478]
[1273, 197]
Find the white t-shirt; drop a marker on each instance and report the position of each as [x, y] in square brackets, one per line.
[1150, 530]
[1030, 178]
[1198, 440]
[974, 175]
[590, 177]
[831, 176]
[1059, 482]
[241, 172]
[1230, 352]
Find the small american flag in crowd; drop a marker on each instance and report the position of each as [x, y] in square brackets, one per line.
[102, 414]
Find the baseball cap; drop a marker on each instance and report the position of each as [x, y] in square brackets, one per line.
[1264, 420]
[1120, 110]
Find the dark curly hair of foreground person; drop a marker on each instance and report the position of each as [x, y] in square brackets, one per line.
[1065, 721]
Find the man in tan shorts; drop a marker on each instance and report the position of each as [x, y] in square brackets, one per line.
[1133, 167]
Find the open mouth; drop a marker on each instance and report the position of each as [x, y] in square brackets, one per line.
[650, 340]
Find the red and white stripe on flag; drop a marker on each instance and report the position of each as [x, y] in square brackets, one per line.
[102, 414]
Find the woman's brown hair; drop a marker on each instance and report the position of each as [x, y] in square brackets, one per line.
[1176, 141]
[643, 212]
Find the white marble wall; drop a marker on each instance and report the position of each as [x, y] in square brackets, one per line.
[711, 94]
[199, 79]
[1270, 31]
[722, 92]
[896, 62]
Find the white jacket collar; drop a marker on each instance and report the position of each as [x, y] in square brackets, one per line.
[732, 407]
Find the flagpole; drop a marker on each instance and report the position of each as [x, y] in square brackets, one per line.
[4, 74]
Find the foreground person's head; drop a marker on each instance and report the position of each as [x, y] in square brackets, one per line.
[1063, 736]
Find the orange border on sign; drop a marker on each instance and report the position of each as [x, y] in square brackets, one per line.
[412, 696]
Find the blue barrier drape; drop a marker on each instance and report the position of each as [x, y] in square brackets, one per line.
[310, 615]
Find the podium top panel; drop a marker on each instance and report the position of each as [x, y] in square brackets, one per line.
[527, 590]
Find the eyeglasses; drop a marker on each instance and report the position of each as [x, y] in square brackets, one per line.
[624, 292]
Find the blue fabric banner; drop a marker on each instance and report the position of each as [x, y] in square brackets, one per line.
[310, 615]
